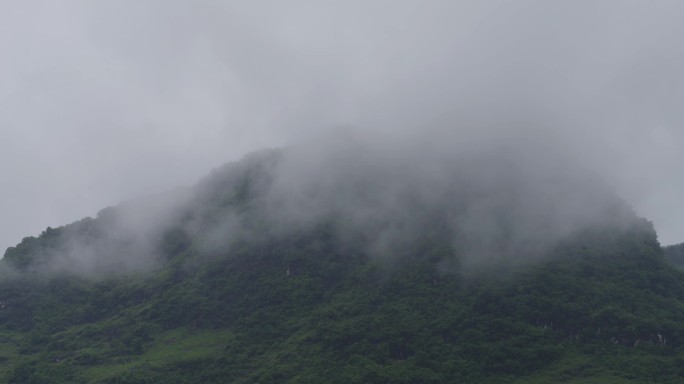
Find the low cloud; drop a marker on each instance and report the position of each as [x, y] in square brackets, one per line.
[106, 101]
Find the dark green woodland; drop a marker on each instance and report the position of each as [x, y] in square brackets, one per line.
[219, 290]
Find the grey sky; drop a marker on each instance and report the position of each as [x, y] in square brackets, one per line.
[104, 100]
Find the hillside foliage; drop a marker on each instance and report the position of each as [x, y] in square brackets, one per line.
[675, 255]
[314, 305]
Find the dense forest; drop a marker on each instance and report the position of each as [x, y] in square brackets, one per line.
[675, 255]
[207, 285]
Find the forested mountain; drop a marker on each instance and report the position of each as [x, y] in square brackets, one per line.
[357, 268]
[675, 255]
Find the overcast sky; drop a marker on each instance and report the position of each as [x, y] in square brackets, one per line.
[101, 101]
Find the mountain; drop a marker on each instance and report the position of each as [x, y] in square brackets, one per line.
[353, 266]
[675, 255]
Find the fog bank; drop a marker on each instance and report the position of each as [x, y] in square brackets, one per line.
[104, 101]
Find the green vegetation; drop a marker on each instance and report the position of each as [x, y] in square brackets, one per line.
[604, 306]
[675, 255]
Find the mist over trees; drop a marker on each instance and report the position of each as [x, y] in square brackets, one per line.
[357, 267]
[675, 255]
[124, 112]
[504, 204]
[451, 192]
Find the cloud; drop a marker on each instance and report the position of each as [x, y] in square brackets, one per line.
[103, 101]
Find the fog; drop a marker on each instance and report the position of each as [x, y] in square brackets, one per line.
[103, 101]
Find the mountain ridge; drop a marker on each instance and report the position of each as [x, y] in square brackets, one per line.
[364, 291]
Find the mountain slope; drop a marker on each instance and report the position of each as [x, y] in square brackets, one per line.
[232, 282]
[675, 255]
